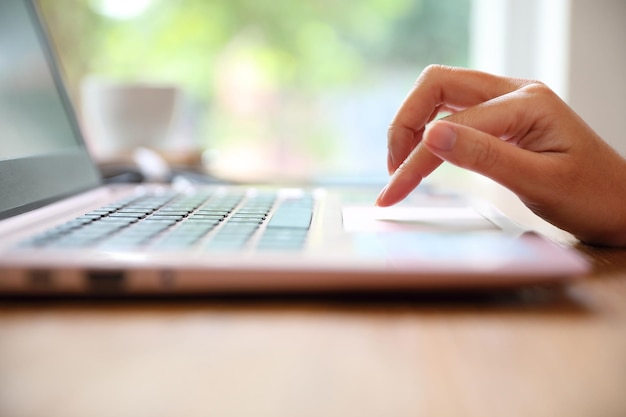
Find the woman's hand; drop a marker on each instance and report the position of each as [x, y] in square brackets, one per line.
[518, 133]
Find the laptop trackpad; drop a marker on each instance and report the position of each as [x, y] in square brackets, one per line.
[404, 218]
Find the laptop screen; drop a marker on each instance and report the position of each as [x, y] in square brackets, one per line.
[42, 155]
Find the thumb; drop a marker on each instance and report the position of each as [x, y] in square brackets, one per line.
[483, 153]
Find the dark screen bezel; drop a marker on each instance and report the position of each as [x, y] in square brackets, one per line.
[34, 181]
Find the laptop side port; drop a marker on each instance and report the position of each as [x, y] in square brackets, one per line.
[104, 281]
[40, 279]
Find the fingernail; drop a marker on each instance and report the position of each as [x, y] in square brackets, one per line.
[440, 136]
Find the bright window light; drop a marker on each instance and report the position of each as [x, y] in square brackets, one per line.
[120, 9]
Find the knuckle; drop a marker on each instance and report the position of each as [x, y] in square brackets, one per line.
[391, 131]
[541, 101]
[401, 134]
[484, 155]
[432, 71]
[394, 130]
[537, 89]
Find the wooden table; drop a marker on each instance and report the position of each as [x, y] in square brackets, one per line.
[540, 352]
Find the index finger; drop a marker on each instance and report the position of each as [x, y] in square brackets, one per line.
[439, 86]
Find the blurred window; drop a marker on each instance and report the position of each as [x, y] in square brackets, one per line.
[280, 88]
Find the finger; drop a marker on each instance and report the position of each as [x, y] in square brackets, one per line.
[438, 86]
[418, 165]
[407, 138]
[513, 167]
[515, 117]
[518, 117]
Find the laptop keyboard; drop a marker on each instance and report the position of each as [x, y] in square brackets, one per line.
[171, 222]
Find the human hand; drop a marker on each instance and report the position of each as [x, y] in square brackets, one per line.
[518, 133]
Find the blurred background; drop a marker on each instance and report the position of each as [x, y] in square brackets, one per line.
[263, 89]
[305, 89]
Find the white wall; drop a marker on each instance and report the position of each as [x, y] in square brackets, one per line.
[522, 38]
[597, 67]
[574, 46]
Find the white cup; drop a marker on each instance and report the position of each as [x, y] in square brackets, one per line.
[118, 117]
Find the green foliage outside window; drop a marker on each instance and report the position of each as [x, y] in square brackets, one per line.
[306, 62]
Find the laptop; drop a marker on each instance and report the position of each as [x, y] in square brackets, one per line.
[64, 232]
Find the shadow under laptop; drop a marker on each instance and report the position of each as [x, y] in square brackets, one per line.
[555, 299]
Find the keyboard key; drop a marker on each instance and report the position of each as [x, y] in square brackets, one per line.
[291, 217]
[283, 239]
[174, 222]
